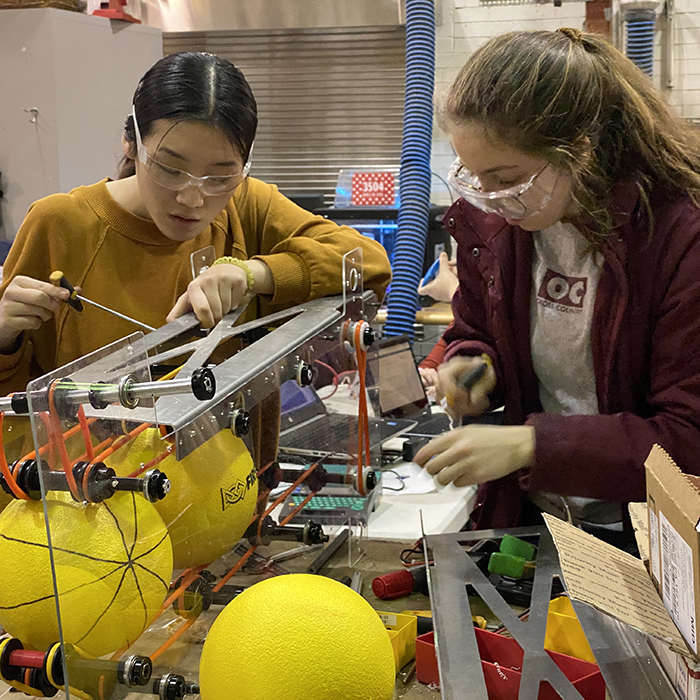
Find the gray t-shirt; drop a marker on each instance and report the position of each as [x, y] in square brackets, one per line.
[565, 274]
[565, 279]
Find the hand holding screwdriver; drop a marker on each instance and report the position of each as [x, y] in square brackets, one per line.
[75, 300]
[25, 305]
[466, 383]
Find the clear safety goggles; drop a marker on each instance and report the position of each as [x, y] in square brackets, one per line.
[176, 180]
[517, 202]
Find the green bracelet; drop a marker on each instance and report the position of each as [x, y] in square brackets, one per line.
[228, 260]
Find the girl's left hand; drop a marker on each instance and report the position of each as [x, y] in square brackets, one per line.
[212, 294]
[475, 454]
[219, 290]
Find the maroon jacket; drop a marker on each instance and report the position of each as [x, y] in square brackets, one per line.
[646, 352]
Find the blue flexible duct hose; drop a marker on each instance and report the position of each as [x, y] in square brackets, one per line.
[414, 184]
[640, 38]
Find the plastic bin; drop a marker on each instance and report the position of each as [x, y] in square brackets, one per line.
[501, 662]
[564, 633]
[402, 631]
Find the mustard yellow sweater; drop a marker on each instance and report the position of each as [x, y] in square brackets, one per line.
[123, 261]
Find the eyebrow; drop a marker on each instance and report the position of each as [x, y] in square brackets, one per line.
[499, 167]
[175, 154]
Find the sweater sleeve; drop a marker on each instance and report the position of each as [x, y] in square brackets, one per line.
[29, 256]
[304, 251]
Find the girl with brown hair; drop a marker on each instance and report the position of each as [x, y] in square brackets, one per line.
[578, 232]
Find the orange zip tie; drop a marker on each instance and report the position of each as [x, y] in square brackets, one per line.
[171, 599]
[97, 448]
[284, 495]
[68, 434]
[265, 468]
[121, 442]
[188, 577]
[9, 478]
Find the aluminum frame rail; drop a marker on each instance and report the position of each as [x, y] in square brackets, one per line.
[305, 333]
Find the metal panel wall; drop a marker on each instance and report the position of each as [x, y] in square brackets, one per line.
[217, 15]
[327, 99]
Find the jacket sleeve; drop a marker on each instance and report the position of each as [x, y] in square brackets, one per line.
[602, 456]
[305, 251]
[470, 332]
[435, 356]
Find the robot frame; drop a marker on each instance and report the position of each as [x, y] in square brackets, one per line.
[204, 399]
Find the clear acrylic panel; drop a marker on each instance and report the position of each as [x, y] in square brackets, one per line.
[131, 547]
[202, 260]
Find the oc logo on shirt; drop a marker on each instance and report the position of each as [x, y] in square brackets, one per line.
[562, 292]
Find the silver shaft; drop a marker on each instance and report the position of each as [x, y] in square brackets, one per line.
[134, 390]
[115, 313]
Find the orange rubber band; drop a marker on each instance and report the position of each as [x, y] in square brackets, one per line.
[9, 476]
[85, 430]
[61, 444]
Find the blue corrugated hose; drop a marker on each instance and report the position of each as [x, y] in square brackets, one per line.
[640, 38]
[414, 184]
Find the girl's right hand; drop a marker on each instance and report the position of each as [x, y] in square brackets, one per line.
[461, 401]
[25, 305]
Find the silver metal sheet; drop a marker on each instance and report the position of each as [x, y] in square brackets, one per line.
[626, 662]
[355, 80]
[243, 380]
[275, 14]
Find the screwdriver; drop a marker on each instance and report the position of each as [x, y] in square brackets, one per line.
[58, 279]
[469, 379]
[467, 382]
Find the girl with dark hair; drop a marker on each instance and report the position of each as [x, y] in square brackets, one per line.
[127, 243]
[578, 232]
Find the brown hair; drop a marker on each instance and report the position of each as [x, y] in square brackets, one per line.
[575, 100]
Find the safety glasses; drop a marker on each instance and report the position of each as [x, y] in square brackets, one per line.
[176, 180]
[517, 202]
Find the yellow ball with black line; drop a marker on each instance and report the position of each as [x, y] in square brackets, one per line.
[113, 564]
[297, 637]
[212, 496]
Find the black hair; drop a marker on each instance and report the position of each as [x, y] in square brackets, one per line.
[191, 86]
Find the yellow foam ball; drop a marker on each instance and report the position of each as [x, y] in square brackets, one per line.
[297, 637]
[113, 564]
[212, 496]
[5, 500]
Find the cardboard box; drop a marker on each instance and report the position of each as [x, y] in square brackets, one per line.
[673, 499]
[683, 672]
[622, 587]
[673, 554]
